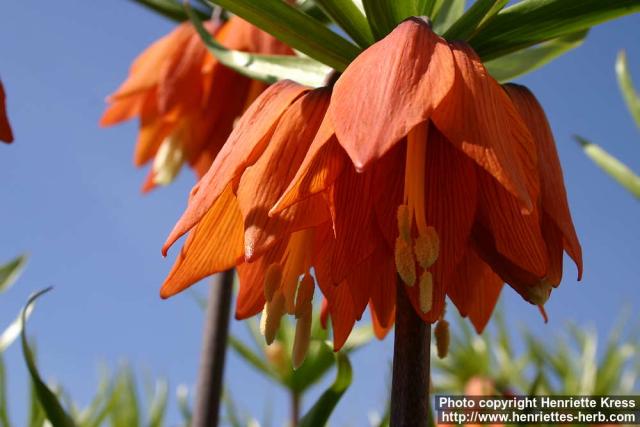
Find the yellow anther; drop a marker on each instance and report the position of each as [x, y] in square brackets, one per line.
[427, 247]
[305, 294]
[168, 161]
[275, 310]
[263, 318]
[404, 222]
[405, 264]
[302, 338]
[272, 280]
[442, 338]
[425, 291]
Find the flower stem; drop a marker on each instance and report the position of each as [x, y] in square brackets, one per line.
[295, 408]
[411, 361]
[216, 330]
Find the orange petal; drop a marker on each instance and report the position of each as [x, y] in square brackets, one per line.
[474, 289]
[504, 228]
[382, 282]
[244, 146]
[450, 205]
[379, 328]
[6, 134]
[389, 184]
[123, 109]
[389, 89]
[479, 118]
[262, 183]
[241, 35]
[214, 245]
[321, 166]
[553, 193]
[251, 275]
[144, 73]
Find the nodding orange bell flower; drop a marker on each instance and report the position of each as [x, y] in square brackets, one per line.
[6, 134]
[186, 101]
[416, 169]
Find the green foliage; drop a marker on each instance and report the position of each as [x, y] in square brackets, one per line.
[524, 61]
[268, 68]
[173, 9]
[446, 14]
[608, 163]
[10, 271]
[349, 17]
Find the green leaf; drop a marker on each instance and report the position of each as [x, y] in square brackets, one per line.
[479, 12]
[10, 271]
[385, 15]
[530, 22]
[296, 29]
[525, 61]
[172, 9]
[614, 167]
[124, 406]
[182, 397]
[629, 93]
[348, 17]
[250, 357]
[4, 412]
[52, 407]
[268, 68]
[448, 13]
[320, 412]
[13, 330]
[158, 406]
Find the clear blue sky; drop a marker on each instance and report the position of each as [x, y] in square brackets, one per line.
[70, 197]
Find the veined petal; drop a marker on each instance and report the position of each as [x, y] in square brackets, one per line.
[323, 163]
[382, 282]
[450, 207]
[241, 35]
[214, 245]
[513, 234]
[553, 193]
[379, 328]
[6, 134]
[262, 183]
[389, 89]
[123, 109]
[474, 289]
[478, 117]
[244, 146]
[389, 184]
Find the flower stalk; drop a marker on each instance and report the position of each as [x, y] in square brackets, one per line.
[216, 329]
[411, 363]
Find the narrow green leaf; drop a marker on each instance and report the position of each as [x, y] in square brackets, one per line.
[614, 167]
[182, 397]
[52, 407]
[158, 406]
[320, 358]
[530, 22]
[380, 17]
[268, 68]
[348, 17]
[4, 411]
[124, 404]
[525, 61]
[14, 329]
[448, 13]
[631, 97]
[250, 357]
[298, 30]
[320, 412]
[464, 27]
[10, 271]
[172, 9]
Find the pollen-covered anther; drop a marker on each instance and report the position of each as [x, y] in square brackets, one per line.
[168, 161]
[302, 338]
[442, 338]
[425, 291]
[275, 310]
[304, 297]
[405, 263]
[404, 222]
[427, 247]
[272, 280]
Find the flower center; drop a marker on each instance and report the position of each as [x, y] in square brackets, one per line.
[424, 248]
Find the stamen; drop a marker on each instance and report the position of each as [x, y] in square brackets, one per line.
[275, 310]
[302, 338]
[298, 261]
[425, 291]
[405, 264]
[304, 297]
[427, 248]
[414, 179]
[404, 222]
[442, 338]
[272, 281]
[263, 319]
[168, 160]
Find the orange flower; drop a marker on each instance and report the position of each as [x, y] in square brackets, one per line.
[420, 165]
[5, 129]
[185, 99]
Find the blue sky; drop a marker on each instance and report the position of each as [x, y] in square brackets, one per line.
[70, 197]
